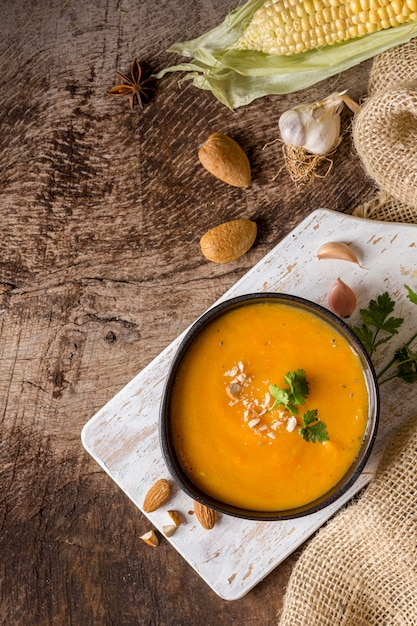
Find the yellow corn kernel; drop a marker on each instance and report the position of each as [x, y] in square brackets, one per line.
[327, 15]
[373, 17]
[397, 6]
[340, 25]
[382, 14]
[305, 24]
[412, 5]
[299, 10]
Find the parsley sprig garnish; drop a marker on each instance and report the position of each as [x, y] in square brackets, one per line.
[313, 430]
[378, 327]
[376, 320]
[294, 396]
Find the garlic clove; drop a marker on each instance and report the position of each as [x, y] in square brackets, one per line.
[337, 250]
[292, 125]
[341, 299]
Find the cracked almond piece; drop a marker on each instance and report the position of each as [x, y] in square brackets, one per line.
[157, 495]
[169, 529]
[206, 516]
[175, 517]
[233, 390]
[150, 538]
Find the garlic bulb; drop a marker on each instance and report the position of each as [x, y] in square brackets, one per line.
[315, 126]
[341, 299]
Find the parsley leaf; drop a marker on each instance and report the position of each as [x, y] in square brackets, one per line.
[281, 396]
[406, 361]
[377, 317]
[299, 387]
[411, 295]
[313, 430]
[295, 395]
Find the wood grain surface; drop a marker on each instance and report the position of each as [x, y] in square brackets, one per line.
[101, 212]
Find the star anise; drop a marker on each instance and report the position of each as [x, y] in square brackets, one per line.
[131, 86]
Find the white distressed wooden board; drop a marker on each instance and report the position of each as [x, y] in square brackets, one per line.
[123, 436]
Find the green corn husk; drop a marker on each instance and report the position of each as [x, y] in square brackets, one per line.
[237, 77]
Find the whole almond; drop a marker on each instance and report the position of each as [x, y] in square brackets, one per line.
[223, 157]
[228, 241]
[206, 516]
[157, 495]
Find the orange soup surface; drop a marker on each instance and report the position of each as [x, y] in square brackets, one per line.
[230, 442]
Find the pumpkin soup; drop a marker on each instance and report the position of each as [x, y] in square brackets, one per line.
[234, 436]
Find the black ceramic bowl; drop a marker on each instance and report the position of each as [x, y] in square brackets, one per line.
[350, 477]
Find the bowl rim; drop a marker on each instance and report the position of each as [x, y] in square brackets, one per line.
[350, 477]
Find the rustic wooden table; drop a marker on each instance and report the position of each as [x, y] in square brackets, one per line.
[102, 210]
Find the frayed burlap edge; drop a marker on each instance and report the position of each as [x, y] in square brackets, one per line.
[385, 208]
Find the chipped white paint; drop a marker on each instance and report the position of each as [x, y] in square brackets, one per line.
[123, 436]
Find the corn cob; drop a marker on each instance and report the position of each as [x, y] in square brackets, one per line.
[287, 27]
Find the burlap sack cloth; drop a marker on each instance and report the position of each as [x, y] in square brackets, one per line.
[385, 135]
[361, 569]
